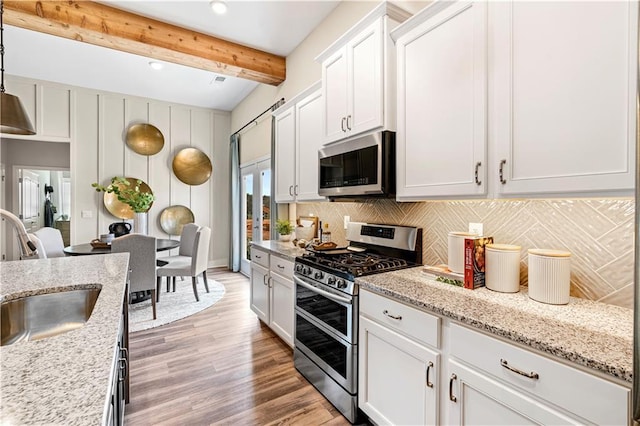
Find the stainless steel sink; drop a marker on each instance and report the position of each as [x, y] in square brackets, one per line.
[45, 315]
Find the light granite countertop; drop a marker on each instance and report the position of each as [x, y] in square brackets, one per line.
[282, 248]
[591, 334]
[63, 379]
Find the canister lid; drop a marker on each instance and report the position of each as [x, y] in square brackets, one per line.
[463, 234]
[549, 253]
[502, 247]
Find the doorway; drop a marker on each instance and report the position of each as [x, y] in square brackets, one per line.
[256, 208]
[40, 197]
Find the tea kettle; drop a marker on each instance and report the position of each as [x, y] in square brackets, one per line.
[119, 229]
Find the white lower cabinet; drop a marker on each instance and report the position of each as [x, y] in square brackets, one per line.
[415, 368]
[474, 398]
[272, 292]
[398, 378]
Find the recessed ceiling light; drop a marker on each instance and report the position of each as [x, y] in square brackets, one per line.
[218, 6]
[156, 65]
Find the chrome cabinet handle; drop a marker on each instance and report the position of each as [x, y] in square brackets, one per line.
[348, 120]
[395, 317]
[342, 124]
[295, 190]
[291, 190]
[269, 283]
[478, 182]
[502, 179]
[123, 368]
[451, 395]
[532, 375]
[280, 266]
[429, 367]
[264, 279]
[257, 256]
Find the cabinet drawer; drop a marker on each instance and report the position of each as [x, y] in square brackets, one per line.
[260, 257]
[281, 266]
[592, 398]
[409, 321]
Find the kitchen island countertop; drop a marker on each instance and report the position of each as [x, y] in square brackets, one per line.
[592, 334]
[64, 379]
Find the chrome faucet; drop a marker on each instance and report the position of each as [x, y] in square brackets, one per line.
[27, 248]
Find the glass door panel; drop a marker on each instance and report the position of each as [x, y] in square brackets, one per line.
[256, 208]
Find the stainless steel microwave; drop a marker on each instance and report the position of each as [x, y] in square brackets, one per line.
[361, 167]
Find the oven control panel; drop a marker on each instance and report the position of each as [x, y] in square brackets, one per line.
[325, 278]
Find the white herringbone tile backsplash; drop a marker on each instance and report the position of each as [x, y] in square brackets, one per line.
[597, 232]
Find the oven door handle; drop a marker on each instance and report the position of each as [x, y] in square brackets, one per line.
[325, 293]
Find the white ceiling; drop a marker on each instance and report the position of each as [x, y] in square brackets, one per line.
[273, 26]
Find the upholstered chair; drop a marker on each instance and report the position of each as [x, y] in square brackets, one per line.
[188, 266]
[187, 239]
[142, 262]
[51, 239]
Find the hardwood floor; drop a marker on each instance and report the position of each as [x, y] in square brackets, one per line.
[220, 366]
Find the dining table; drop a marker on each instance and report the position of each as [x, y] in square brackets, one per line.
[162, 244]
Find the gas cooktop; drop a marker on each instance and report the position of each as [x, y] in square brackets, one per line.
[354, 264]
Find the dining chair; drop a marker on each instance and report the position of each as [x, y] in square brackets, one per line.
[187, 240]
[142, 262]
[42, 254]
[189, 266]
[52, 242]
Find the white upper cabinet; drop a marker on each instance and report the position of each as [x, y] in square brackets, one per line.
[442, 103]
[358, 77]
[492, 103]
[298, 127]
[48, 106]
[563, 115]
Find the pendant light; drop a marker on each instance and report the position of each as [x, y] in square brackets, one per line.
[13, 117]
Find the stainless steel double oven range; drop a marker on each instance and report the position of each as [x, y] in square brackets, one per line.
[326, 309]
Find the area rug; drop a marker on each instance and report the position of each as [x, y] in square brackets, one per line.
[174, 306]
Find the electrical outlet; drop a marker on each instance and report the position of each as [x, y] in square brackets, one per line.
[475, 228]
[347, 219]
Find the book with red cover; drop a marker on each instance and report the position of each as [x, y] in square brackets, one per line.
[474, 261]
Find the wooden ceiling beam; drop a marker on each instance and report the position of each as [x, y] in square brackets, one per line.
[105, 26]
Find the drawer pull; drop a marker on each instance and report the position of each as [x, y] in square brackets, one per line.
[280, 266]
[451, 395]
[258, 256]
[532, 375]
[429, 384]
[395, 317]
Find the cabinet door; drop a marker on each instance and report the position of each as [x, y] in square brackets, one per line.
[285, 156]
[564, 112]
[365, 84]
[334, 92]
[397, 377]
[260, 292]
[308, 142]
[282, 302]
[474, 398]
[442, 114]
[55, 112]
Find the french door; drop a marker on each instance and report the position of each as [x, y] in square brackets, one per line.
[256, 208]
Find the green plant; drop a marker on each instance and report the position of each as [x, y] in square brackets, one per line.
[284, 227]
[139, 201]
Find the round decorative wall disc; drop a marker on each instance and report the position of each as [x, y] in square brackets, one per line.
[119, 209]
[145, 139]
[192, 166]
[173, 218]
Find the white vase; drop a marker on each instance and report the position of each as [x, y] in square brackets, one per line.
[285, 237]
[140, 223]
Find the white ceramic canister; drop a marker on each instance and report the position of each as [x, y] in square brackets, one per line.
[456, 250]
[549, 276]
[502, 267]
